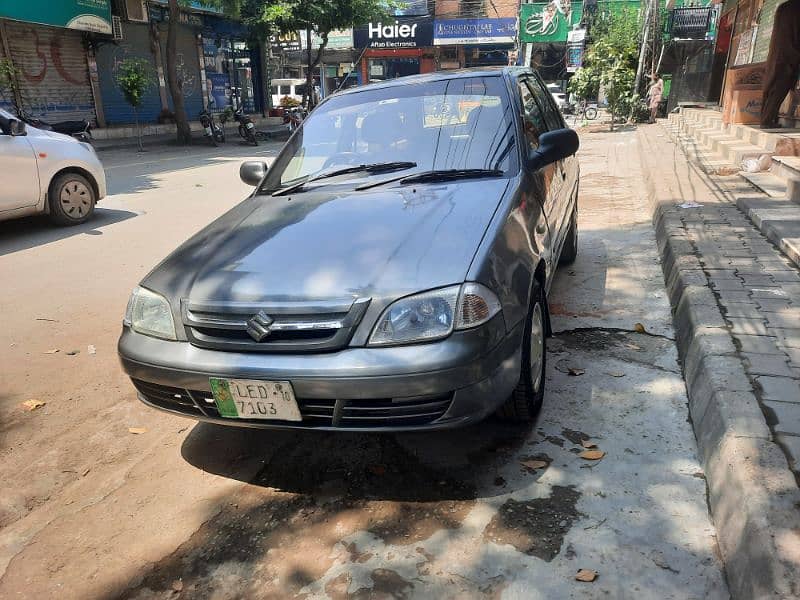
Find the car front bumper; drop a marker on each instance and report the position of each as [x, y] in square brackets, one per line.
[438, 385]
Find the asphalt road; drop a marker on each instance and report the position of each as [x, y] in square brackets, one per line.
[184, 510]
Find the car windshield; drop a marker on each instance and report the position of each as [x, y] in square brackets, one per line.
[460, 123]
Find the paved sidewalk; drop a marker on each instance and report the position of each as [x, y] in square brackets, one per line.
[736, 301]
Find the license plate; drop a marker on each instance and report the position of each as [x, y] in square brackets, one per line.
[250, 125]
[253, 399]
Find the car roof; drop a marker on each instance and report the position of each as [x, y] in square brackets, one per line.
[442, 76]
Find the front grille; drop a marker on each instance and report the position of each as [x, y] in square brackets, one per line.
[327, 412]
[284, 327]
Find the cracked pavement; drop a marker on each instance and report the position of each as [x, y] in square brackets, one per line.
[187, 510]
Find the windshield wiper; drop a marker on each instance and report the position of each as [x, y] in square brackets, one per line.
[371, 168]
[439, 175]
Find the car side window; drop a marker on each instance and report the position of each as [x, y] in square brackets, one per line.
[533, 120]
[542, 96]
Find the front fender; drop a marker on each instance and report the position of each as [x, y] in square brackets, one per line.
[511, 250]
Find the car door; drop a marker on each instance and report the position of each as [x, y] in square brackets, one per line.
[560, 209]
[543, 185]
[20, 175]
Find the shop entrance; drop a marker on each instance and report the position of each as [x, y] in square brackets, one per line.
[380, 69]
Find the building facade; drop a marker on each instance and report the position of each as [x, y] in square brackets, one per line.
[66, 55]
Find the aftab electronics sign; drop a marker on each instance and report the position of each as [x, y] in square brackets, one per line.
[400, 32]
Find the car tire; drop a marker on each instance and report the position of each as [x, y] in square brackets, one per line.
[71, 198]
[526, 399]
[591, 113]
[570, 250]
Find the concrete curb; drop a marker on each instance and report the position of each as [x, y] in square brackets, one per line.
[753, 496]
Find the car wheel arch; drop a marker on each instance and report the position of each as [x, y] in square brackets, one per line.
[77, 171]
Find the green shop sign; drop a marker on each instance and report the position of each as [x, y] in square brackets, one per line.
[85, 15]
[548, 21]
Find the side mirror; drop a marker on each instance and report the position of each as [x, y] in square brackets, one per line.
[553, 146]
[253, 171]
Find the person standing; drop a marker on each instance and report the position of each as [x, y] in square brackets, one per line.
[655, 93]
[783, 61]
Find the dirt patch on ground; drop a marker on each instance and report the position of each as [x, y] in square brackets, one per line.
[536, 527]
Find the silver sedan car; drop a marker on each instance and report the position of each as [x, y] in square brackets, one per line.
[52, 174]
[389, 272]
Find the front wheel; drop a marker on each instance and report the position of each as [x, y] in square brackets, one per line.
[219, 136]
[526, 399]
[71, 198]
[591, 113]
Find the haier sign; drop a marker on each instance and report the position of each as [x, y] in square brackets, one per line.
[393, 33]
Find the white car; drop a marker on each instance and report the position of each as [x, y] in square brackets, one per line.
[47, 173]
[559, 97]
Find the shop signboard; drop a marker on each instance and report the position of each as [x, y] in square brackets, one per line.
[338, 39]
[456, 32]
[84, 15]
[400, 32]
[576, 42]
[548, 21]
[218, 91]
[286, 41]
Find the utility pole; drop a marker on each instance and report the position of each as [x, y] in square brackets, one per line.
[645, 42]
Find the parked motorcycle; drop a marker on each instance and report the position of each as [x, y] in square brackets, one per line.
[247, 129]
[293, 117]
[81, 130]
[211, 129]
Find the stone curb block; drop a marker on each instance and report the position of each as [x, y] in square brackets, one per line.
[753, 496]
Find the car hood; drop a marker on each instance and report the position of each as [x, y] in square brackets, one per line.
[329, 243]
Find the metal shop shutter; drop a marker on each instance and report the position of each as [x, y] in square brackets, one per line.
[135, 43]
[53, 73]
[6, 96]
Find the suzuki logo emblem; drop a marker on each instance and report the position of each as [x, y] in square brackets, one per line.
[260, 326]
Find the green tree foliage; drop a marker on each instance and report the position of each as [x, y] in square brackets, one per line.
[322, 17]
[134, 77]
[610, 61]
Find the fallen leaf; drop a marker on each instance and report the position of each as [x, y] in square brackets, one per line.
[46, 319]
[53, 351]
[92, 349]
[533, 464]
[73, 352]
[586, 575]
[177, 585]
[575, 372]
[592, 454]
[639, 328]
[136, 430]
[588, 444]
[33, 404]
[617, 374]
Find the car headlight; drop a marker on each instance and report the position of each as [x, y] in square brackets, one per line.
[149, 313]
[435, 314]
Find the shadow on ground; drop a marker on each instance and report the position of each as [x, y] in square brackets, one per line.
[30, 232]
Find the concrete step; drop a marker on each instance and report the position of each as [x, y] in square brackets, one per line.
[772, 185]
[786, 166]
[778, 220]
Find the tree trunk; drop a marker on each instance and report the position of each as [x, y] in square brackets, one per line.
[175, 86]
[318, 58]
[138, 129]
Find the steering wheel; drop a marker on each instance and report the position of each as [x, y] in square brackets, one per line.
[341, 158]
